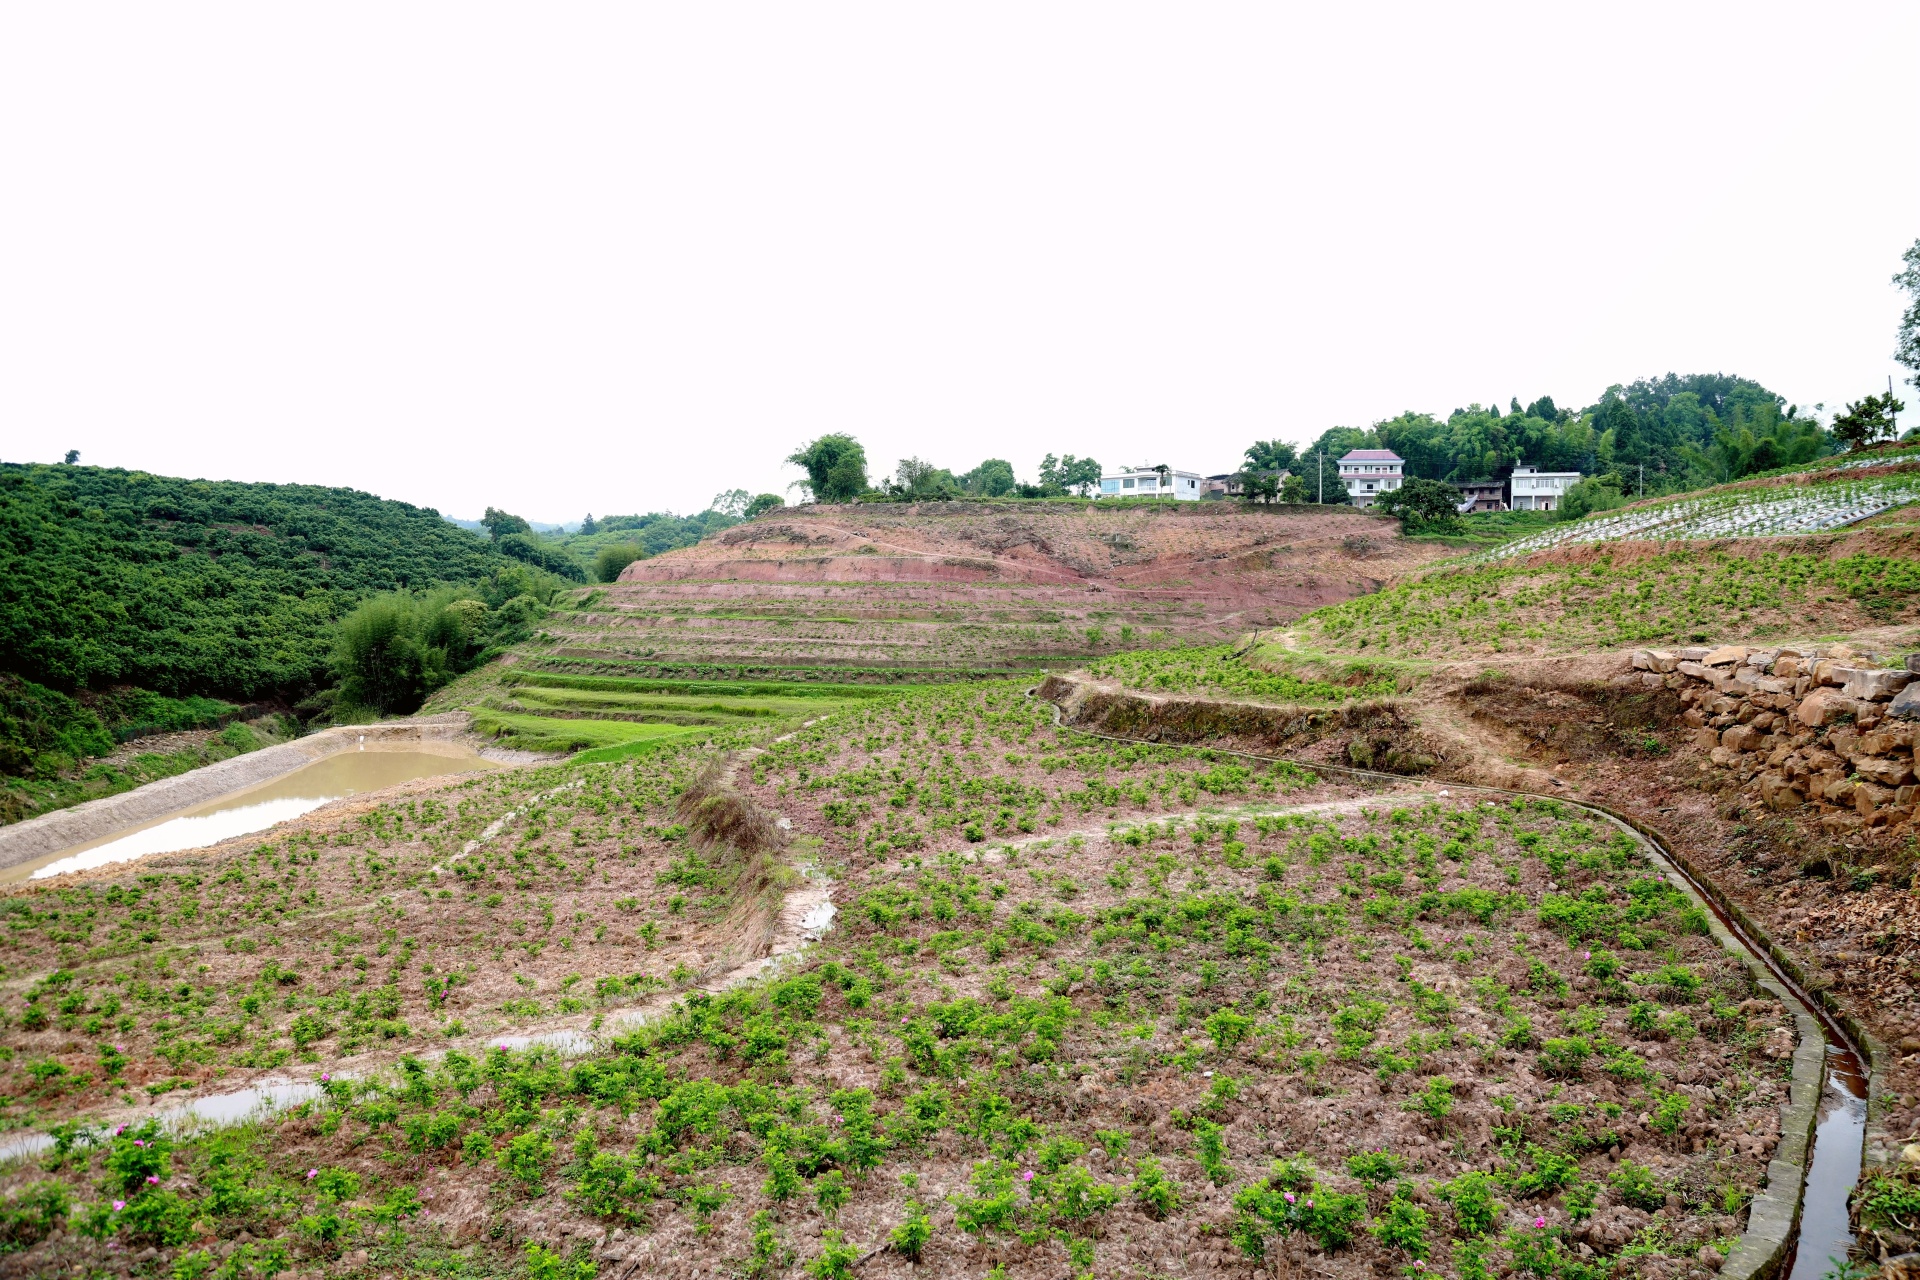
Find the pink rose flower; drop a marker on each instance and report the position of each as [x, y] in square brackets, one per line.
[1539, 1222]
[118, 1205]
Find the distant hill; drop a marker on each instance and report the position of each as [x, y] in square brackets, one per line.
[476, 527]
[654, 534]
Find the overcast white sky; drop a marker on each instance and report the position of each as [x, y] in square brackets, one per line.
[613, 258]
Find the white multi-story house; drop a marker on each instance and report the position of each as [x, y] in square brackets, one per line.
[1532, 490]
[1145, 482]
[1370, 474]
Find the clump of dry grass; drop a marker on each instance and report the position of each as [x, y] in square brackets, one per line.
[746, 843]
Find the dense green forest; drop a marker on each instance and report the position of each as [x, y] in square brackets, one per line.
[1684, 432]
[131, 603]
[45, 735]
[651, 534]
[596, 550]
[1657, 435]
[203, 587]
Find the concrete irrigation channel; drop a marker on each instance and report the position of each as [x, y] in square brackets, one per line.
[1799, 1226]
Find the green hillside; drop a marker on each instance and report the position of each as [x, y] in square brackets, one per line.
[129, 602]
[196, 586]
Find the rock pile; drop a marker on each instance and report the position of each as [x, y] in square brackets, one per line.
[1801, 727]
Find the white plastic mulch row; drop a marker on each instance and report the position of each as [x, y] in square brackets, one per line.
[1754, 513]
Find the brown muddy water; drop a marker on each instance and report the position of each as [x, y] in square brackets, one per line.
[355, 771]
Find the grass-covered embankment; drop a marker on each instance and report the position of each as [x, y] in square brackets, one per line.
[1599, 599]
[1223, 670]
[57, 751]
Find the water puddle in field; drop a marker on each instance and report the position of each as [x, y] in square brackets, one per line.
[256, 808]
[215, 1111]
[819, 919]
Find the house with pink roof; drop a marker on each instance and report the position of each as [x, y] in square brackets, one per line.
[1371, 474]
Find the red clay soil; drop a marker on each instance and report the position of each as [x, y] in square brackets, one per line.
[880, 584]
[1068, 546]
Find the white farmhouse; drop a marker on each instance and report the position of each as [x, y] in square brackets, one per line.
[1370, 474]
[1145, 482]
[1534, 490]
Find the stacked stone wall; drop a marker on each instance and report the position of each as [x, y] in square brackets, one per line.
[1800, 727]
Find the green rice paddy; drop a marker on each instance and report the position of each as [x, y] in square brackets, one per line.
[542, 733]
[612, 716]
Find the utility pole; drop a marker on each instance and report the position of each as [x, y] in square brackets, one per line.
[1643, 479]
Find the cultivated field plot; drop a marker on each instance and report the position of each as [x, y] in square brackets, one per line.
[964, 766]
[1221, 669]
[1351, 1038]
[1739, 513]
[900, 632]
[554, 711]
[575, 732]
[361, 928]
[364, 927]
[685, 701]
[1596, 599]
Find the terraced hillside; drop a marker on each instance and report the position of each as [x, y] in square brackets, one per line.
[949, 587]
[1810, 501]
[1585, 598]
[1820, 552]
